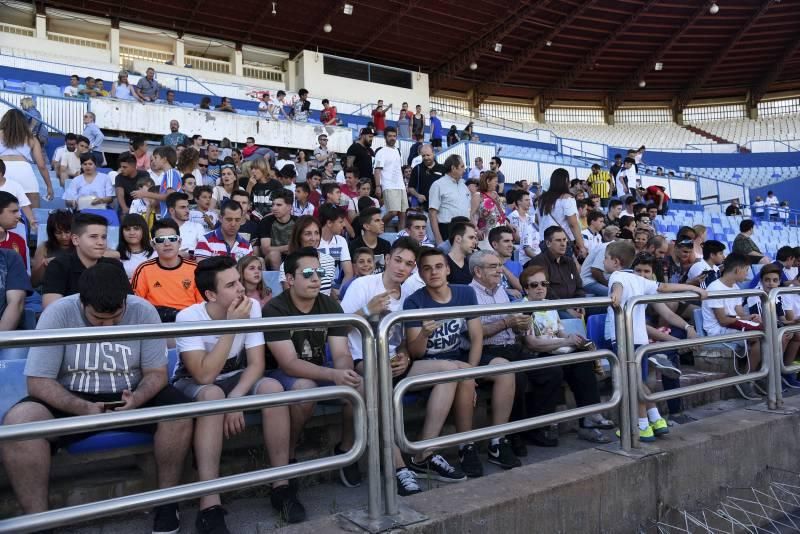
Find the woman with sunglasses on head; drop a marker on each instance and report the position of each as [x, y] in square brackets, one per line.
[547, 336]
[229, 184]
[91, 189]
[250, 274]
[134, 243]
[59, 241]
[307, 233]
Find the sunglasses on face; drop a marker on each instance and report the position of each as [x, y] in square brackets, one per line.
[534, 285]
[160, 240]
[201, 165]
[309, 271]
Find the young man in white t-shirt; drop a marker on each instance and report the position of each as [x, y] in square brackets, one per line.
[525, 223]
[720, 315]
[332, 243]
[389, 179]
[627, 179]
[593, 274]
[713, 256]
[210, 368]
[592, 236]
[623, 285]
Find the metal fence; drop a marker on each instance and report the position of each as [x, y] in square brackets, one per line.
[638, 390]
[388, 415]
[379, 417]
[362, 413]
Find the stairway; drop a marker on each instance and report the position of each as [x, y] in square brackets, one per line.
[715, 138]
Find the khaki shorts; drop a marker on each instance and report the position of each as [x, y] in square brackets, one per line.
[395, 200]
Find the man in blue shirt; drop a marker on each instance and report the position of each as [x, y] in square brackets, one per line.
[95, 137]
[436, 131]
[428, 341]
[14, 286]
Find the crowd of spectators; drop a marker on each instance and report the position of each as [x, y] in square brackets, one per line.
[203, 224]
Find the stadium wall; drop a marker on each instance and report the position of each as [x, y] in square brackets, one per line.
[684, 159]
[788, 190]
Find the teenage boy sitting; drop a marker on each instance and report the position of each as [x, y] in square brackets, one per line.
[416, 228]
[298, 357]
[211, 367]
[722, 316]
[706, 270]
[623, 285]
[204, 214]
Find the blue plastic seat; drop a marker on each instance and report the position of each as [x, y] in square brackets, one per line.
[113, 439]
[172, 361]
[391, 237]
[110, 215]
[596, 330]
[15, 85]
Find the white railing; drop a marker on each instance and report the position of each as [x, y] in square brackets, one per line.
[128, 54]
[66, 114]
[259, 72]
[78, 41]
[16, 30]
[763, 145]
[211, 65]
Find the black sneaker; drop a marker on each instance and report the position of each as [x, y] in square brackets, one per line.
[349, 475]
[212, 521]
[518, 446]
[435, 467]
[406, 482]
[541, 438]
[284, 500]
[470, 462]
[167, 519]
[502, 455]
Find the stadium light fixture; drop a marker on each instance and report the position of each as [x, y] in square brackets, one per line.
[642, 83]
[473, 66]
[659, 66]
[498, 47]
[348, 9]
[714, 9]
[549, 43]
[327, 28]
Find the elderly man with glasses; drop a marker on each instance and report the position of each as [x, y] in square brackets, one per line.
[92, 132]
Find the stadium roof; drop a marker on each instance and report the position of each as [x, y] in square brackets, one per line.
[593, 50]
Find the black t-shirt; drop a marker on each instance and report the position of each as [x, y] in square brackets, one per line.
[261, 196]
[363, 159]
[459, 275]
[129, 184]
[64, 271]
[422, 178]
[381, 251]
[308, 344]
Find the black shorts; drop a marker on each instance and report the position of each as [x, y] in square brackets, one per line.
[166, 397]
[436, 143]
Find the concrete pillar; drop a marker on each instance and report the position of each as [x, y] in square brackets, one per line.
[237, 65]
[290, 78]
[179, 52]
[41, 26]
[113, 45]
[608, 117]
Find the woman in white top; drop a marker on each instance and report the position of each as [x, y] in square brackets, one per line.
[121, 88]
[227, 177]
[91, 189]
[134, 243]
[19, 149]
[557, 207]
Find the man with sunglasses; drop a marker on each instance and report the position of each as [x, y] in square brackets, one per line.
[214, 367]
[167, 281]
[298, 359]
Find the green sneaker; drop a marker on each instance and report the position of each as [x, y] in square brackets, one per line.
[659, 427]
[647, 434]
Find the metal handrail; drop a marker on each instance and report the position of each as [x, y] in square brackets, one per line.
[150, 331]
[29, 116]
[777, 336]
[634, 357]
[419, 381]
[73, 425]
[385, 372]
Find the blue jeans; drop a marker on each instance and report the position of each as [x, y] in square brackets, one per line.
[597, 289]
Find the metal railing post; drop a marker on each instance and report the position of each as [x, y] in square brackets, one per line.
[386, 416]
[371, 389]
[625, 421]
[777, 340]
[633, 371]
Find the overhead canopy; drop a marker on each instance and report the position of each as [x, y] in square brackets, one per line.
[593, 50]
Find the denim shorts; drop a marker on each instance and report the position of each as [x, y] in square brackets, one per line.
[645, 366]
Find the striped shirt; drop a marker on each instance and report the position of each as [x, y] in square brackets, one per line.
[214, 244]
[327, 262]
[600, 183]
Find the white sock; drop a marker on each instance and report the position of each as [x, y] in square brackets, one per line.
[495, 442]
[643, 424]
[653, 415]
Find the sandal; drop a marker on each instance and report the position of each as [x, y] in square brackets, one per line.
[593, 435]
